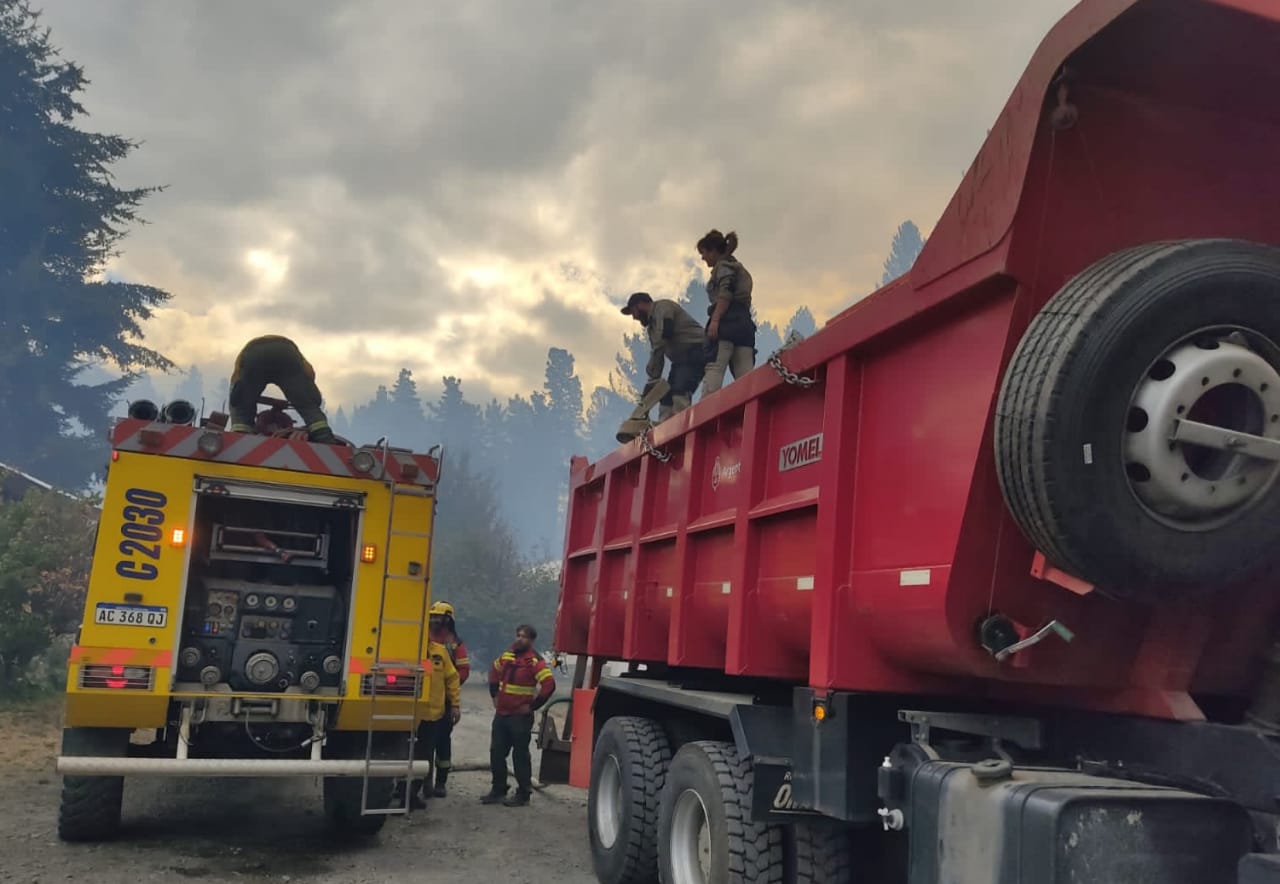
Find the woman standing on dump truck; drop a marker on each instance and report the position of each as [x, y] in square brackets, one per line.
[730, 330]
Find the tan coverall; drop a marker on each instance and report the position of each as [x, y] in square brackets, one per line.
[736, 348]
[675, 335]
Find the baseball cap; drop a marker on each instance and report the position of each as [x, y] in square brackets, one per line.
[636, 298]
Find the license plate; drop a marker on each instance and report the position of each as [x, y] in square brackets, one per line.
[131, 615]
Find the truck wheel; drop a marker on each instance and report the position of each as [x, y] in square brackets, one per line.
[628, 769]
[819, 854]
[1140, 341]
[343, 795]
[705, 832]
[89, 808]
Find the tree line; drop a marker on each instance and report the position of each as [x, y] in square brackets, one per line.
[62, 220]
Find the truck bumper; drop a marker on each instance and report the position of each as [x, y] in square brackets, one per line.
[70, 765]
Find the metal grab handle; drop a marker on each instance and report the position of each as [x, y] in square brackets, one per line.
[1053, 626]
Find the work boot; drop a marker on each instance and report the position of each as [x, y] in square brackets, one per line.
[631, 428]
[520, 799]
[494, 797]
[442, 774]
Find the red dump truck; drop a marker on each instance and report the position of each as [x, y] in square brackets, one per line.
[977, 584]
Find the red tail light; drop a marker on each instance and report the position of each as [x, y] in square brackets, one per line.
[390, 685]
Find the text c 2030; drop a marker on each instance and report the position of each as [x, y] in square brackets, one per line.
[141, 527]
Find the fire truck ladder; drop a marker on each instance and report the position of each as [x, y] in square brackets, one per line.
[402, 546]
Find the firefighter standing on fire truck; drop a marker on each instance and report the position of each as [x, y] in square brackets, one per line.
[273, 359]
[445, 632]
[520, 683]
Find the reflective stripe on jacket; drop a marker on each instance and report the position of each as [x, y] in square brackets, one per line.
[521, 682]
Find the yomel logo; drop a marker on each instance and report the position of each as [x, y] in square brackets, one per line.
[723, 473]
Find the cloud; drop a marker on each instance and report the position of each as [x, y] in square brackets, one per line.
[457, 187]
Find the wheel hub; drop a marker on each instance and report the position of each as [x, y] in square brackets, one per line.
[690, 840]
[609, 804]
[1218, 382]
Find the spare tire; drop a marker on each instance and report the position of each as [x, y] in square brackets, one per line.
[1090, 424]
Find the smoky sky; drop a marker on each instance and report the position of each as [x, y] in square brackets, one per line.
[456, 187]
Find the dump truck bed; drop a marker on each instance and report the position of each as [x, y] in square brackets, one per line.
[848, 531]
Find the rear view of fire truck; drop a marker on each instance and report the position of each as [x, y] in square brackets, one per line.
[256, 607]
[977, 584]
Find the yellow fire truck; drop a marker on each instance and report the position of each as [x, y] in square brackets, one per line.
[256, 608]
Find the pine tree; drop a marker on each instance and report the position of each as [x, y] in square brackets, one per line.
[455, 421]
[375, 418]
[768, 341]
[629, 377]
[605, 414]
[404, 393]
[907, 244]
[801, 323]
[340, 423]
[478, 566]
[563, 391]
[61, 220]
[407, 421]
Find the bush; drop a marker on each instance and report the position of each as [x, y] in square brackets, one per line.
[46, 545]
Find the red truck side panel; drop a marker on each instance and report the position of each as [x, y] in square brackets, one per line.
[851, 535]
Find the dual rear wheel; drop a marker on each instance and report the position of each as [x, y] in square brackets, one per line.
[684, 817]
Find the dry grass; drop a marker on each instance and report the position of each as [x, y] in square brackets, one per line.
[29, 733]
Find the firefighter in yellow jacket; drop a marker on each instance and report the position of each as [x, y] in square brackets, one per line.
[443, 699]
[273, 359]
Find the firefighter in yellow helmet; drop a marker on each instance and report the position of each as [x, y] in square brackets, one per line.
[273, 359]
[444, 631]
[440, 712]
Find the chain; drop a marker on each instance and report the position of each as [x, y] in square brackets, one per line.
[785, 373]
[656, 453]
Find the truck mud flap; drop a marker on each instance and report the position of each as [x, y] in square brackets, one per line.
[765, 734]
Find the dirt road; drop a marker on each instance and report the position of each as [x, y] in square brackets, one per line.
[272, 830]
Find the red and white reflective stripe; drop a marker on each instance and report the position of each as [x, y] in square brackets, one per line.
[271, 452]
[121, 656]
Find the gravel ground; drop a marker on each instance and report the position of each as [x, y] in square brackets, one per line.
[273, 830]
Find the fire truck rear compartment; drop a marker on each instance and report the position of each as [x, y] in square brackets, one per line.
[251, 622]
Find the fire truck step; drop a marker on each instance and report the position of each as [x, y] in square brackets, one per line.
[412, 665]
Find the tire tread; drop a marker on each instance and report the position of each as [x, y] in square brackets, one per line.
[648, 757]
[755, 849]
[822, 855]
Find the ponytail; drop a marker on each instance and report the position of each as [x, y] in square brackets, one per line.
[720, 243]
